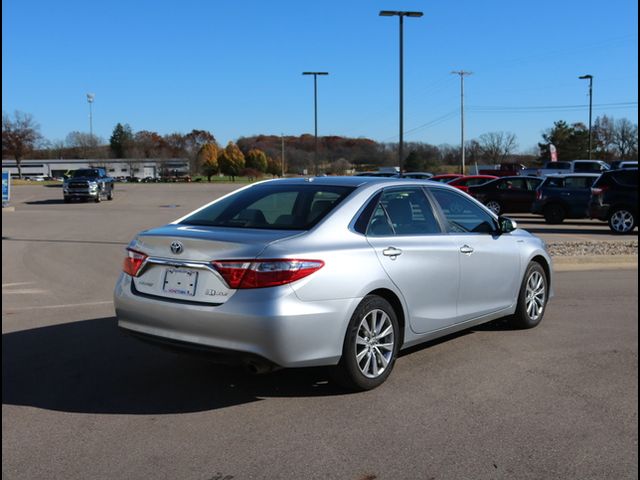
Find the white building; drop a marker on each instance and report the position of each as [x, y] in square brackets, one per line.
[116, 167]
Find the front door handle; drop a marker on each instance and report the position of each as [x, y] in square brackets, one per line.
[392, 252]
[466, 249]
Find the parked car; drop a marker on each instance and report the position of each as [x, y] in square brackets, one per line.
[377, 174]
[507, 194]
[150, 179]
[564, 196]
[418, 175]
[573, 166]
[501, 170]
[88, 184]
[463, 183]
[340, 271]
[614, 199]
[624, 164]
[445, 177]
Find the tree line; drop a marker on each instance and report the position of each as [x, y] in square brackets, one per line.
[257, 155]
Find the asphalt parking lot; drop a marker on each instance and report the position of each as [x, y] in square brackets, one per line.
[83, 401]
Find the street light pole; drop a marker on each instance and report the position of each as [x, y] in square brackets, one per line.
[462, 74]
[90, 98]
[401, 15]
[590, 78]
[315, 114]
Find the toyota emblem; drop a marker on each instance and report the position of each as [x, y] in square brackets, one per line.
[177, 247]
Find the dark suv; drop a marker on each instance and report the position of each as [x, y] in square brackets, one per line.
[614, 199]
[564, 196]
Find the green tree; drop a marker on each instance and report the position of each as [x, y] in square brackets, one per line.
[257, 160]
[413, 162]
[121, 140]
[571, 141]
[208, 160]
[231, 161]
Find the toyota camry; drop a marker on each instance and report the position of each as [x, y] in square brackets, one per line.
[342, 272]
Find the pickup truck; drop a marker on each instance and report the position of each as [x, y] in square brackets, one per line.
[560, 168]
[500, 170]
[88, 184]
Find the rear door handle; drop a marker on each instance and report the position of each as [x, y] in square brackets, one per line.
[466, 249]
[392, 252]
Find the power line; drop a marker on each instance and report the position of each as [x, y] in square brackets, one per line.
[546, 108]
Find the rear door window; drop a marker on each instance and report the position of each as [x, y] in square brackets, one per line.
[579, 182]
[404, 211]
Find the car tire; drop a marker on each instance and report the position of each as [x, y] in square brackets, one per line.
[532, 298]
[622, 221]
[554, 213]
[67, 200]
[495, 206]
[356, 372]
[98, 198]
[110, 195]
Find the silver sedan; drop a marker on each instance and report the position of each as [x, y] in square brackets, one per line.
[340, 271]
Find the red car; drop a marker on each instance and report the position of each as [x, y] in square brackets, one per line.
[446, 178]
[463, 183]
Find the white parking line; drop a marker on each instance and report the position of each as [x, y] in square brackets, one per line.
[16, 284]
[67, 305]
[24, 291]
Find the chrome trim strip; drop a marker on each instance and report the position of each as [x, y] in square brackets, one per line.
[171, 262]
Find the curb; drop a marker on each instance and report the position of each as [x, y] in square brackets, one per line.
[595, 262]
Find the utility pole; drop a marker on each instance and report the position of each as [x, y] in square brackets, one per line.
[315, 114]
[282, 154]
[590, 78]
[90, 98]
[462, 74]
[401, 15]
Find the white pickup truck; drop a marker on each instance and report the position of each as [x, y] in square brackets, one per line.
[573, 166]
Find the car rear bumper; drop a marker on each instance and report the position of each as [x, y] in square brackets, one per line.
[599, 211]
[268, 323]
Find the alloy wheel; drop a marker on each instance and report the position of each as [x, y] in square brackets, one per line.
[374, 343]
[535, 295]
[622, 221]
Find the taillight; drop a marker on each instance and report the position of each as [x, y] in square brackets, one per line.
[599, 190]
[265, 273]
[538, 194]
[132, 262]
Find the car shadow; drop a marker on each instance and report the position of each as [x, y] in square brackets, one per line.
[51, 201]
[91, 367]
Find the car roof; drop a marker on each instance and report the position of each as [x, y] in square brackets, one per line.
[568, 175]
[344, 181]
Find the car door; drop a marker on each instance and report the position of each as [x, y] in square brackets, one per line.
[576, 195]
[418, 258]
[514, 195]
[489, 262]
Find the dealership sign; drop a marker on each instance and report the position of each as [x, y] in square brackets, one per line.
[6, 186]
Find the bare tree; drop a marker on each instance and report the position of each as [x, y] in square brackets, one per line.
[19, 137]
[85, 144]
[497, 146]
[625, 138]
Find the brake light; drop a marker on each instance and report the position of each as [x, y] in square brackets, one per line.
[538, 194]
[599, 190]
[265, 273]
[133, 262]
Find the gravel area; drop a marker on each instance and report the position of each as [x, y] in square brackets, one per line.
[578, 249]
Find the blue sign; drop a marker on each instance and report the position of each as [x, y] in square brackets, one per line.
[6, 186]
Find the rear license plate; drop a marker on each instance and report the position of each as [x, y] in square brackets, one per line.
[180, 282]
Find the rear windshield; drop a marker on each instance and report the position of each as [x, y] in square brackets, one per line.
[274, 207]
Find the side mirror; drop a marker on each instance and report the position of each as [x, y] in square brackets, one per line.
[507, 225]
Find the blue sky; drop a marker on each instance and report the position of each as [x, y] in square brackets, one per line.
[234, 67]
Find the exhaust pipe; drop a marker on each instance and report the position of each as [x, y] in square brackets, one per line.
[258, 368]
